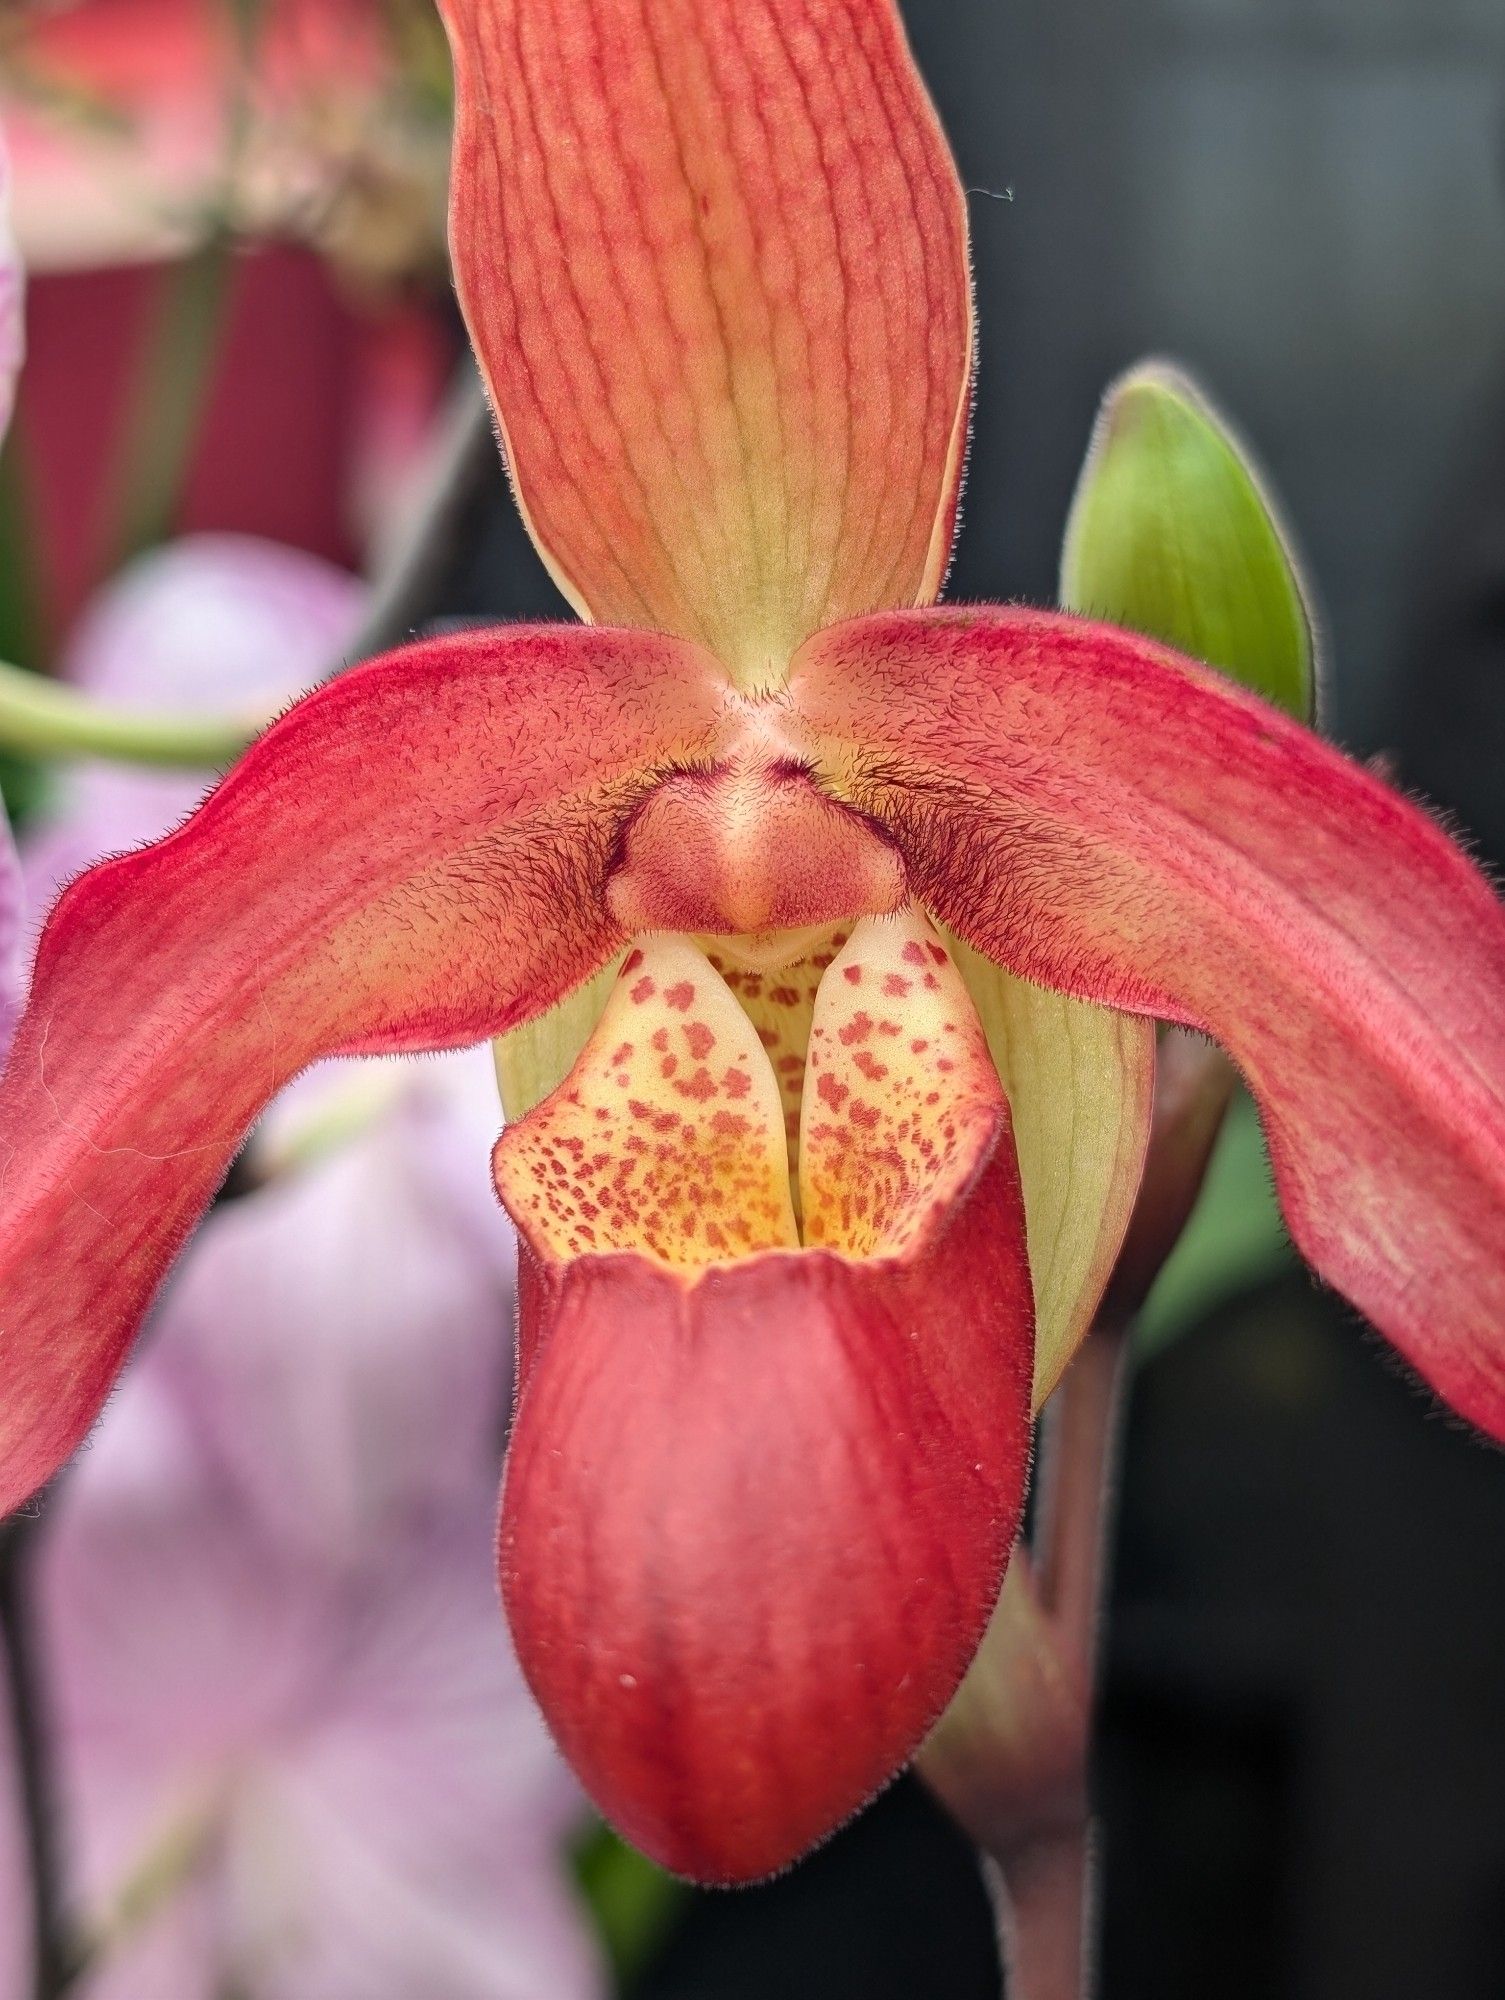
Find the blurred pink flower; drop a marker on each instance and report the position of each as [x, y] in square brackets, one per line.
[275, 1668]
[295, 1756]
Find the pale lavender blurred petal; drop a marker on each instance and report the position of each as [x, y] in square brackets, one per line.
[344, 1335]
[212, 622]
[379, 1808]
[178, 1953]
[429, 1793]
[176, 1637]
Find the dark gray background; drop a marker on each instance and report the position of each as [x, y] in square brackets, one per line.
[1303, 200]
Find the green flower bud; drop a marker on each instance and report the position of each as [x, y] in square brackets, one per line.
[1172, 532]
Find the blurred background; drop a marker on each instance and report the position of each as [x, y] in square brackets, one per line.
[239, 324]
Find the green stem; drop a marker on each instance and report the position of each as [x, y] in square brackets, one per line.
[41, 718]
[54, 1958]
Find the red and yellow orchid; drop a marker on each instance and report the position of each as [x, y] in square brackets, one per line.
[887, 899]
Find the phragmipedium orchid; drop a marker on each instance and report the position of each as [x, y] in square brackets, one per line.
[827, 1198]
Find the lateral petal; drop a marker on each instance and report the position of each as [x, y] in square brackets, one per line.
[713, 256]
[413, 858]
[1121, 824]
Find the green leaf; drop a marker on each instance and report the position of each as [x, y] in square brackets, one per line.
[634, 1903]
[1172, 532]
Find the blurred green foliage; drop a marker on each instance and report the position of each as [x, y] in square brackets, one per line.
[23, 783]
[634, 1903]
[1234, 1240]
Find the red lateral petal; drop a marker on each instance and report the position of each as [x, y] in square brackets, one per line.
[412, 858]
[755, 1520]
[1112, 820]
[713, 256]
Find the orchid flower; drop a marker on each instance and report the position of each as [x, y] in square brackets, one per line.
[825, 1201]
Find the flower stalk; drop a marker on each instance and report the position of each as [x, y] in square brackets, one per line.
[55, 1960]
[1010, 1758]
[42, 719]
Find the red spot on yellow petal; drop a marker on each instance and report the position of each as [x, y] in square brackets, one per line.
[685, 1178]
[883, 1143]
[831, 1090]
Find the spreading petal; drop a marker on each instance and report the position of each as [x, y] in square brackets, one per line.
[1114, 821]
[412, 858]
[756, 1511]
[713, 257]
